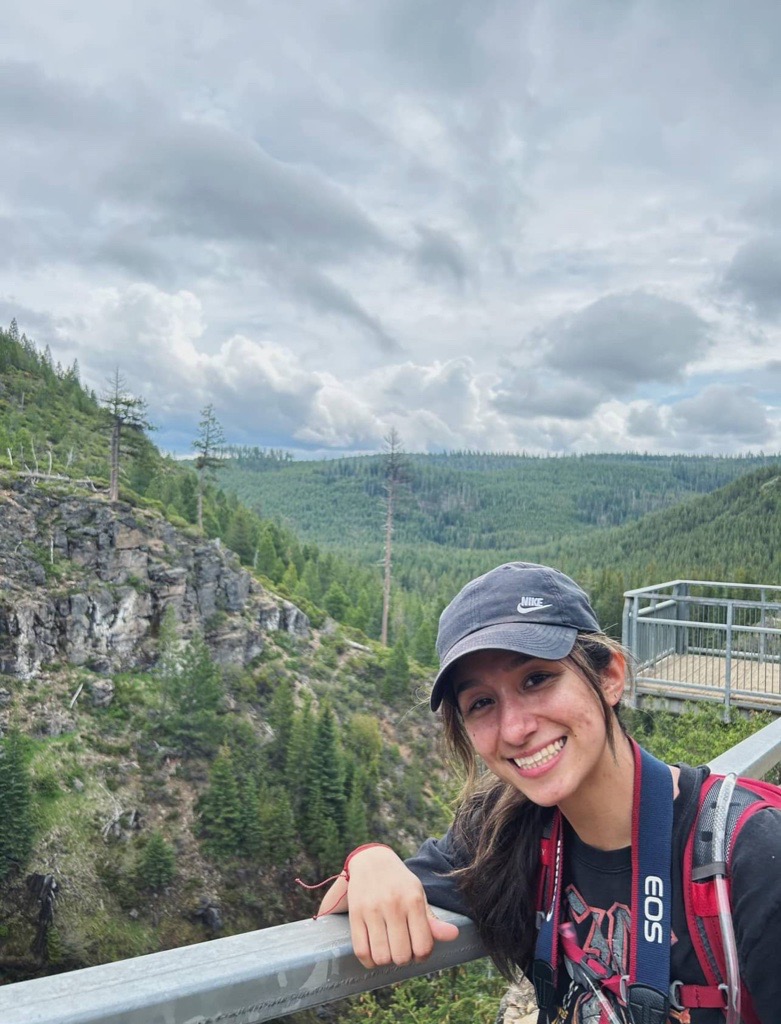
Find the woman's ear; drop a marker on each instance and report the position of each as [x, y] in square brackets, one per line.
[614, 678]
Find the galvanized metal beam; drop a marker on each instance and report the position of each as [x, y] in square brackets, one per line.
[754, 756]
[242, 979]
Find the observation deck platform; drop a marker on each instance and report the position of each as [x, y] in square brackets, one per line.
[705, 640]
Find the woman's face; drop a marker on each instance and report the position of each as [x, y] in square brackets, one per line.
[536, 724]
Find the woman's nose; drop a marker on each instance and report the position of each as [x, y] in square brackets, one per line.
[517, 721]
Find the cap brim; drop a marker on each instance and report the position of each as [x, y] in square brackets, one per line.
[536, 640]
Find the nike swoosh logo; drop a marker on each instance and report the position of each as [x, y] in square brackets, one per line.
[535, 608]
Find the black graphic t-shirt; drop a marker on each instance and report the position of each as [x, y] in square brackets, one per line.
[597, 900]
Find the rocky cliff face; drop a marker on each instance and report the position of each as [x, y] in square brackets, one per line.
[86, 582]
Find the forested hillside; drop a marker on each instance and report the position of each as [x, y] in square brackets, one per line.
[470, 499]
[460, 514]
[52, 427]
[732, 534]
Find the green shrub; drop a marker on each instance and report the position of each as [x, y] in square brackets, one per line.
[156, 864]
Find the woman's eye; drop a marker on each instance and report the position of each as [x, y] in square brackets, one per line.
[478, 704]
[536, 679]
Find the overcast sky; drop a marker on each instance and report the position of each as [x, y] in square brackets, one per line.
[506, 225]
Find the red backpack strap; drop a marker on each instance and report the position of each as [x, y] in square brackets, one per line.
[699, 872]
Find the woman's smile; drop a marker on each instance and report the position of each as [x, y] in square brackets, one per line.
[540, 761]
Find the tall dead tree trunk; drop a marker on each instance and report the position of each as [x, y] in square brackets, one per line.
[394, 476]
[125, 410]
[113, 486]
[386, 583]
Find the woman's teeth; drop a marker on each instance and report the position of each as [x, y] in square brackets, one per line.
[541, 756]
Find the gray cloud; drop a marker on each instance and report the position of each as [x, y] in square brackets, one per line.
[206, 181]
[322, 293]
[622, 341]
[526, 397]
[646, 421]
[755, 275]
[726, 412]
[32, 101]
[440, 254]
[718, 418]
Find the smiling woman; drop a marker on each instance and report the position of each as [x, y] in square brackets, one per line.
[575, 853]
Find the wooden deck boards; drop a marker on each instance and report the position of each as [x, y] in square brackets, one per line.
[759, 681]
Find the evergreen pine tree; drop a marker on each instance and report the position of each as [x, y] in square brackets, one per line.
[299, 755]
[290, 578]
[328, 762]
[281, 717]
[310, 579]
[168, 667]
[208, 442]
[126, 413]
[336, 602]
[329, 848]
[277, 823]
[396, 682]
[16, 821]
[324, 784]
[252, 825]
[267, 560]
[365, 746]
[356, 824]
[423, 644]
[240, 535]
[193, 722]
[220, 809]
[156, 864]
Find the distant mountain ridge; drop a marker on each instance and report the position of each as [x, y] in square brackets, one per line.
[475, 500]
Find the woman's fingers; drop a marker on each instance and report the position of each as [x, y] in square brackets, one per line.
[370, 941]
[398, 935]
[441, 931]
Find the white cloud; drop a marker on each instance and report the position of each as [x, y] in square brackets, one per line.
[497, 225]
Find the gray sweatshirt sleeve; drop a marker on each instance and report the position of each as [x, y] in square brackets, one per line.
[432, 863]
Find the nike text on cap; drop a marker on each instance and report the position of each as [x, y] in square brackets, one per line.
[519, 606]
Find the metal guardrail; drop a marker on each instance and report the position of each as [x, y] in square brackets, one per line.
[706, 640]
[262, 975]
[753, 757]
[242, 979]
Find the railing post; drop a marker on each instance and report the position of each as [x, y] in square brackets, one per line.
[762, 624]
[681, 612]
[635, 626]
[627, 644]
[728, 663]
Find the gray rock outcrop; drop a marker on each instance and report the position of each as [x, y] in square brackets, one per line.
[86, 582]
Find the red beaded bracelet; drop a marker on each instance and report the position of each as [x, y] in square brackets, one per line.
[344, 873]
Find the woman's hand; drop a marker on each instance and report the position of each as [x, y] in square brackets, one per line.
[390, 919]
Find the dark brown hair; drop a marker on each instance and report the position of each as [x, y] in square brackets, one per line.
[500, 830]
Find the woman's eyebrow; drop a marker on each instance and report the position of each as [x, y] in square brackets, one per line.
[514, 660]
[465, 684]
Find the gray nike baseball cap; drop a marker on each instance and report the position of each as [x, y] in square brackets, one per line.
[519, 606]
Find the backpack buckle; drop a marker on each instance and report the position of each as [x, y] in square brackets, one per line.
[675, 989]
